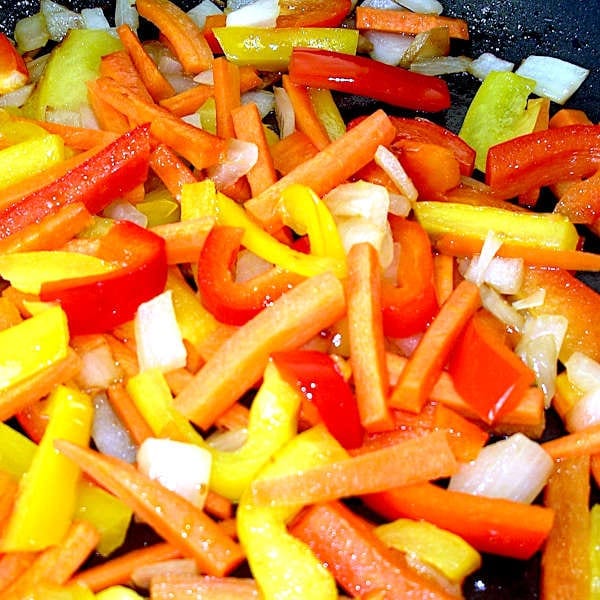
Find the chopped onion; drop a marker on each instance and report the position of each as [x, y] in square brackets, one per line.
[205, 77]
[554, 325]
[262, 13]
[249, 265]
[193, 119]
[125, 211]
[284, 112]
[108, 433]
[359, 199]
[388, 161]
[60, 19]
[500, 308]
[384, 4]
[387, 47]
[264, 100]
[98, 368]
[64, 116]
[88, 117]
[583, 371]
[157, 334]
[406, 346]
[478, 265]
[585, 413]
[487, 62]
[94, 18]
[534, 300]
[240, 158]
[126, 14]
[399, 205]
[180, 82]
[427, 7]
[202, 10]
[516, 469]
[441, 65]
[31, 33]
[17, 97]
[235, 4]
[426, 45]
[555, 78]
[181, 467]
[229, 440]
[357, 230]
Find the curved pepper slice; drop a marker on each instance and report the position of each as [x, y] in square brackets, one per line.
[100, 302]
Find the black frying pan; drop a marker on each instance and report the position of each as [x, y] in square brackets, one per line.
[512, 29]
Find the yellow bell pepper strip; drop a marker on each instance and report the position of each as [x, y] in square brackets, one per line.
[47, 493]
[159, 211]
[271, 49]
[328, 112]
[595, 552]
[546, 230]
[16, 451]
[118, 592]
[31, 345]
[262, 529]
[441, 549]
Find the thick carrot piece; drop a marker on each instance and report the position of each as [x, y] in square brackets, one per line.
[227, 95]
[189, 101]
[108, 117]
[218, 506]
[330, 167]
[118, 570]
[119, 67]
[584, 442]
[566, 568]
[154, 81]
[292, 151]
[357, 558]
[365, 331]
[239, 361]
[443, 277]
[425, 365]
[184, 36]
[178, 521]
[569, 116]
[416, 460]
[183, 587]
[184, 239]
[304, 111]
[171, 170]
[12, 566]
[248, 127]
[128, 413]
[405, 21]
[491, 525]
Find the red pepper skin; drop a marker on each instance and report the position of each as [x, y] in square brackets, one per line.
[409, 306]
[542, 158]
[98, 303]
[13, 70]
[366, 77]
[316, 375]
[313, 13]
[229, 301]
[105, 176]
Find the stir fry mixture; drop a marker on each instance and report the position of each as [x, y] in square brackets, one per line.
[252, 349]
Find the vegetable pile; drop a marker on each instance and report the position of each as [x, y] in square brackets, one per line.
[307, 357]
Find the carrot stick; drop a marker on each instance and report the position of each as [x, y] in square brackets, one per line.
[24, 393]
[292, 151]
[202, 149]
[109, 118]
[189, 101]
[410, 461]
[178, 521]
[182, 586]
[566, 568]
[128, 413]
[78, 138]
[50, 233]
[248, 127]
[443, 277]
[330, 167]
[119, 67]
[426, 363]
[571, 260]
[218, 506]
[235, 417]
[171, 170]
[586, 441]
[304, 111]
[239, 362]
[365, 330]
[569, 116]
[184, 239]
[118, 570]
[154, 81]
[227, 94]
[12, 566]
[184, 36]
[405, 21]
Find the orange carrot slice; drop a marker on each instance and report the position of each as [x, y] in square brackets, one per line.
[227, 94]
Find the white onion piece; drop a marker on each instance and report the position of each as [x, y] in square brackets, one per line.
[202, 10]
[205, 77]
[500, 308]
[108, 433]
[384, 4]
[555, 78]
[399, 205]
[585, 413]
[228, 440]
[505, 274]
[516, 469]
[249, 265]
[98, 369]
[125, 211]
[441, 65]
[240, 158]
[59, 19]
[264, 100]
[126, 14]
[487, 62]
[88, 117]
[583, 371]
[359, 199]
[94, 18]
[181, 467]
[180, 82]
[31, 33]
[193, 119]
[388, 161]
[406, 346]
[478, 265]
[262, 13]
[387, 47]
[554, 325]
[357, 230]
[534, 300]
[64, 116]
[235, 4]
[284, 112]
[17, 97]
[540, 355]
[427, 7]
[158, 337]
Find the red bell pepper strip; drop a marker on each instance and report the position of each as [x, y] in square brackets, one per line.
[99, 303]
[486, 372]
[104, 177]
[13, 70]
[409, 306]
[313, 13]
[366, 77]
[542, 158]
[229, 301]
[317, 376]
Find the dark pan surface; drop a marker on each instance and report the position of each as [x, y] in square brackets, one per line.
[511, 29]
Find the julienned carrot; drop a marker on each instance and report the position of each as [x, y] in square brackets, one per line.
[178, 521]
[50, 233]
[307, 120]
[118, 570]
[154, 81]
[238, 363]
[490, 525]
[12, 566]
[566, 570]
[218, 506]
[171, 170]
[184, 239]
[586, 441]
[128, 413]
[569, 116]
[235, 417]
[332, 529]
[571, 260]
[411, 461]
[182, 587]
[330, 167]
[365, 331]
[443, 277]
[201, 148]
[109, 118]
[227, 94]
[425, 364]
[184, 36]
[119, 67]
[292, 151]
[188, 101]
[248, 127]
[405, 21]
